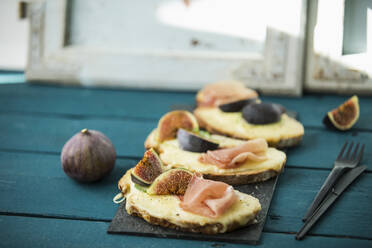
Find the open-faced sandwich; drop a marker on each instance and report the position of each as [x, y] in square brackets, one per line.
[231, 109]
[182, 200]
[181, 144]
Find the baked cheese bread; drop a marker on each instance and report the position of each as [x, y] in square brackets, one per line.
[164, 210]
[249, 172]
[285, 133]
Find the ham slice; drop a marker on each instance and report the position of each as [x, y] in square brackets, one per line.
[254, 150]
[207, 198]
[223, 92]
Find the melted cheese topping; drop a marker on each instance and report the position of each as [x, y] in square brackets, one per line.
[167, 207]
[235, 125]
[172, 155]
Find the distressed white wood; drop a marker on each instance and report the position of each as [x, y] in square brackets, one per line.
[326, 68]
[187, 60]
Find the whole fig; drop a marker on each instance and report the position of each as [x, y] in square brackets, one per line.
[88, 156]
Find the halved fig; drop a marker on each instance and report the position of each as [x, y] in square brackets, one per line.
[171, 182]
[262, 113]
[172, 121]
[236, 106]
[345, 116]
[193, 143]
[149, 168]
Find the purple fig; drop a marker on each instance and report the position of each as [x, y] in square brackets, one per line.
[88, 156]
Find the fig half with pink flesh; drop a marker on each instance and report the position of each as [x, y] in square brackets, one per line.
[172, 121]
[345, 116]
[147, 169]
[171, 182]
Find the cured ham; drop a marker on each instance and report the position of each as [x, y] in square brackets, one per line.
[223, 92]
[254, 150]
[207, 198]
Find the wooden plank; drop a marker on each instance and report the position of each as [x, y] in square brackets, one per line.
[35, 184]
[50, 192]
[48, 134]
[24, 98]
[40, 232]
[312, 108]
[77, 102]
[320, 148]
[349, 216]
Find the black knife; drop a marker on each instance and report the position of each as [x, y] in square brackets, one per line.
[337, 190]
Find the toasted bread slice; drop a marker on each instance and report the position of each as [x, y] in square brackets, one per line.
[285, 133]
[249, 172]
[164, 210]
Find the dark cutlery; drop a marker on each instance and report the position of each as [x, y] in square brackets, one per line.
[341, 164]
[340, 186]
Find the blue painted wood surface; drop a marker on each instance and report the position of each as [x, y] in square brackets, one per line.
[41, 206]
[18, 231]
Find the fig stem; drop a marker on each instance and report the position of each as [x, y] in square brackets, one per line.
[84, 131]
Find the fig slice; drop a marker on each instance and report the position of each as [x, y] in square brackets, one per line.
[262, 113]
[171, 182]
[172, 121]
[345, 116]
[147, 169]
[193, 143]
[138, 181]
[236, 106]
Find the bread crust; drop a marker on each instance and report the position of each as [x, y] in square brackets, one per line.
[212, 228]
[282, 143]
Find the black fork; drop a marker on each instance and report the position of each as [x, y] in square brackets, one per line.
[342, 163]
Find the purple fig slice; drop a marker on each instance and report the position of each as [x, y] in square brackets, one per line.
[171, 182]
[262, 113]
[193, 143]
[236, 106]
[148, 168]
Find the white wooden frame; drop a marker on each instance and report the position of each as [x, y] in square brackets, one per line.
[327, 69]
[277, 71]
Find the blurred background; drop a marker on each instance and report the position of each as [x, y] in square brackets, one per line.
[277, 47]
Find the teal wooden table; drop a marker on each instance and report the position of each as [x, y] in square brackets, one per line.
[41, 207]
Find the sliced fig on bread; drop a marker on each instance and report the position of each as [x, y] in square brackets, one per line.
[147, 169]
[172, 121]
[237, 106]
[262, 113]
[171, 182]
[192, 142]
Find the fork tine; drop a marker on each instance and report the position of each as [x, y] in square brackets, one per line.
[360, 155]
[349, 150]
[355, 151]
[342, 151]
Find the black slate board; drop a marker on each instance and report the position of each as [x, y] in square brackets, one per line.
[127, 224]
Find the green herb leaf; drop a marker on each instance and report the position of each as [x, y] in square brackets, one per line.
[140, 188]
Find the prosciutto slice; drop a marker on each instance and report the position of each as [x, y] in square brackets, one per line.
[223, 92]
[207, 198]
[254, 150]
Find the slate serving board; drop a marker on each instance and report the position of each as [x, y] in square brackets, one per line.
[124, 223]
